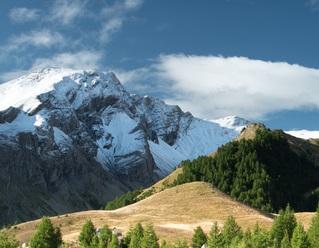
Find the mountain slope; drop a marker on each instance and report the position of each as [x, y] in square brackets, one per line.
[73, 140]
[263, 168]
[174, 212]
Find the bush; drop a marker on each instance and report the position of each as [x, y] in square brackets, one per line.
[7, 242]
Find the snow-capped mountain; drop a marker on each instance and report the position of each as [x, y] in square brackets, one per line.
[81, 135]
[232, 122]
[304, 134]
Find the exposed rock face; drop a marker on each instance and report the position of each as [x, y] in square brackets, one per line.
[72, 140]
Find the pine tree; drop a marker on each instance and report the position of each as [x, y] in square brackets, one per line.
[199, 238]
[149, 239]
[215, 239]
[136, 236]
[96, 242]
[231, 231]
[105, 236]
[46, 236]
[7, 242]
[164, 244]
[87, 234]
[299, 238]
[284, 223]
[114, 242]
[285, 243]
[180, 244]
[313, 231]
[260, 238]
[127, 238]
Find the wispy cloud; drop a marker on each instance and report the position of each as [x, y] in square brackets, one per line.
[79, 60]
[58, 44]
[211, 86]
[44, 37]
[114, 16]
[21, 15]
[313, 4]
[66, 11]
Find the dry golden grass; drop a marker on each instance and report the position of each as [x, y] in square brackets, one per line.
[165, 182]
[305, 218]
[174, 213]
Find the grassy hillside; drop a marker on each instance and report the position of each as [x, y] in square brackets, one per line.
[174, 212]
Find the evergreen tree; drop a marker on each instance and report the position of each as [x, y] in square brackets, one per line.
[164, 244]
[127, 238]
[114, 242]
[87, 234]
[105, 236]
[136, 236]
[199, 238]
[180, 244]
[46, 236]
[264, 172]
[260, 238]
[215, 239]
[96, 242]
[285, 243]
[284, 223]
[231, 231]
[7, 242]
[313, 231]
[149, 239]
[299, 238]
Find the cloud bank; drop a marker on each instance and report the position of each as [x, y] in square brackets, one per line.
[215, 86]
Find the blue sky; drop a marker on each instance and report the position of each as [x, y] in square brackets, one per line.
[253, 58]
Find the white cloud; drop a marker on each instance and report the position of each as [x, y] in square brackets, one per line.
[80, 60]
[114, 16]
[110, 26]
[24, 14]
[66, 11]
[36, 38]
[211, 86]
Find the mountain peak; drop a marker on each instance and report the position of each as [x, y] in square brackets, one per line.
[24, 92]
[65, 122]
[232, 122]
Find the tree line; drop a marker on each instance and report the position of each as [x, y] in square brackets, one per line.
[265, 173]
[284, 233]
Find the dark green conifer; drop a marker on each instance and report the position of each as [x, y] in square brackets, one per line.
[199, 238]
